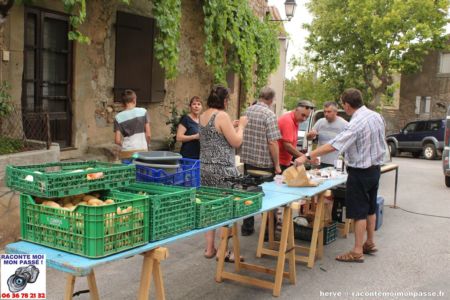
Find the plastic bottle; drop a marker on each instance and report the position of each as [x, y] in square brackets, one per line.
[340, 163]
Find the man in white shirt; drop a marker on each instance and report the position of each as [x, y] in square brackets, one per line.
[326, 129]
[364, 147]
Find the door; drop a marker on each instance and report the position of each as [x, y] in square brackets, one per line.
[47, 74]
[405, 136]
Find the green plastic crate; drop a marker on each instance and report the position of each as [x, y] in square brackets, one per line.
[55, 180]
[172, 208]
[212, 209]
[240, 209]
[91, 231]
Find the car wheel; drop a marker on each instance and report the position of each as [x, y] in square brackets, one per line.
[416, 154]
[429, 151]
[447, 181]
[392, 149]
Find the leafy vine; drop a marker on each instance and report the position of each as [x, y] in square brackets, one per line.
[236, 39]
[167, 14]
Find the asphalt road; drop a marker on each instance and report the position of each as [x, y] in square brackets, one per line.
[413, 257]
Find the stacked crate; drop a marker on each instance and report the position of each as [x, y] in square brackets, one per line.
[92, 231]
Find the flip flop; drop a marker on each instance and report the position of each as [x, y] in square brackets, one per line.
[351, 257]
[369, 248]
[212, 255]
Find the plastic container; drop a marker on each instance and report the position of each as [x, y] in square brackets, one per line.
[379, 211]
[212, 209]
[171, 211]
[244, 203]
[305, 233]
[91, 231]
[158, 157]
[169, 169]
[65, 179]
[188, 174]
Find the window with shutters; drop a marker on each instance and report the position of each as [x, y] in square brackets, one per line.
[135, 65]
[423, 104]
[444, 63]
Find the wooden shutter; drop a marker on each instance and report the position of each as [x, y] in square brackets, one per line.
[417, 110]
[427, 104]
[135, 66]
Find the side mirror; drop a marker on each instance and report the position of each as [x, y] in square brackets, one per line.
[405, 132]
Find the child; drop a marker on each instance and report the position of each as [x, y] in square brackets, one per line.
[131, 127]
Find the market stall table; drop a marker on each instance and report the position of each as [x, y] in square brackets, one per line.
[275, 196]
[78, 266]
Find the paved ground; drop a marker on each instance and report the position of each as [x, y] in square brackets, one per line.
[414, 255]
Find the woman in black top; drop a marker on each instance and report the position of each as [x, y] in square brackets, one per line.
[187, 132]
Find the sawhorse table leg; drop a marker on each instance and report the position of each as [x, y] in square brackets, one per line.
[286, 248]
[152, 267]
[316, 246]
[70, 284]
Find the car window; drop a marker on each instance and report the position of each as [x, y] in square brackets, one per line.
[434, 125]
[421, 126]
[410, 127]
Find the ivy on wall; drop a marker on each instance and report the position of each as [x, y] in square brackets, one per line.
[237, 40]
[167, 14]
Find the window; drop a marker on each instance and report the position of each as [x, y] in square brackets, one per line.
[444, 63]
[411, 127]
[421, 126]
[423, 104]
[136, 68]
[434, 125]
[47, 76]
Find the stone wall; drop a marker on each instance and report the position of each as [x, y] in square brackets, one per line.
[427, 82]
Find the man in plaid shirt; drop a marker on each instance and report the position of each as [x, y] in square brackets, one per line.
[260, 147]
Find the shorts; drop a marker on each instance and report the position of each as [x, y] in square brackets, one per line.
[361, 194]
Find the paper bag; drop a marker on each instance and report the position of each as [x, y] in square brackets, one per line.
[296, 176]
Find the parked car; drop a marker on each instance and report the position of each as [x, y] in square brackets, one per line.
[419, 137]
[446, 152]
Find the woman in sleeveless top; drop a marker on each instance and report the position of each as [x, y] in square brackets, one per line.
[218, 139]
[187, 132]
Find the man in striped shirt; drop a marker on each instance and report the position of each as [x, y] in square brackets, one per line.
[362, 141]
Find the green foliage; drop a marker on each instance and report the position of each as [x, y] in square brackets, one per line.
[9, 145]
[167, 14]
[6, 106]
[237, 40]
[173, 120]
[369, 40]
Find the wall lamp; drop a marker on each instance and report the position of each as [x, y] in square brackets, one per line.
[289, 8]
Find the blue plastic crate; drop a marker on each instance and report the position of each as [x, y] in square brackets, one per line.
[188, 174]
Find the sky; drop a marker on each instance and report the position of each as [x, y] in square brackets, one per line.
[296, 32]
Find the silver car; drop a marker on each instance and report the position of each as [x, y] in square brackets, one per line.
[446, 151]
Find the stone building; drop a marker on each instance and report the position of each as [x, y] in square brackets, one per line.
[78, 84]
[423, 95]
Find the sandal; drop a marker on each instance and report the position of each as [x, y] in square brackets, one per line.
[211, 255]
[351, 257]
[369, 248]
[229, 258]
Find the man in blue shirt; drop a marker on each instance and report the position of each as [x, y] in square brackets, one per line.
[362, 141]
